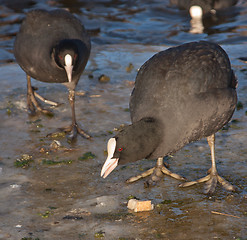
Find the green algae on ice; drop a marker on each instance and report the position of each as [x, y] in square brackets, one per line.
[24, 161]
[86, 156]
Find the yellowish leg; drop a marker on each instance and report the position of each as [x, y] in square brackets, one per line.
[73, 129]
[211, 179]
[157, 172]
[32, 102]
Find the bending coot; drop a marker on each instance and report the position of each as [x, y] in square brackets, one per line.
[181, 95]
[52, 46]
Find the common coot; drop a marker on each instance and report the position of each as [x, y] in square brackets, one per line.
[181, 95]
[198, 9]
[53, 46]
[206, 6]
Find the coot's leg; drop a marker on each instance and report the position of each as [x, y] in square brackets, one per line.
[32, 102]
[142, 175]
[73, 129]
[157, 172]
[30, 96]
[213, 177]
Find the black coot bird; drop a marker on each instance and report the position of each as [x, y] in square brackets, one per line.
[181, 95]
[206, 6]
[198, 9]
[53, 46]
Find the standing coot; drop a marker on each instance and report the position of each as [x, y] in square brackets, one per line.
[180, 95]
[53, 46]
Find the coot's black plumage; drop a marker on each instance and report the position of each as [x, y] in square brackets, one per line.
[181, 95]
[53, 46]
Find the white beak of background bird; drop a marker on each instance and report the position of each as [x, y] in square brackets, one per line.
[68, 66]
[110, 162]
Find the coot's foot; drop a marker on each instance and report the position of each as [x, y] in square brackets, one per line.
[54, 104]
[71, 132]
[156, 172]
[210, 183]
[212, 178]
[32, 102]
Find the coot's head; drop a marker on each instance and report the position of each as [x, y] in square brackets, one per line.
[66, 56]
[134, 142]
[196, 12]
[201, 7]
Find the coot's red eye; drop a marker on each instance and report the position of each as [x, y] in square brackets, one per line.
[75, 56]
[120, 149]
[60, 57]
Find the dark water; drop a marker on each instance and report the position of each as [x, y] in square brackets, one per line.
[137, 22]
[70, 200]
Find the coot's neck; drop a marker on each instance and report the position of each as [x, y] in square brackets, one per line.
[142, 138]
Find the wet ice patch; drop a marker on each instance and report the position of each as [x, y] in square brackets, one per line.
[21, 104]
[177, 211]
[98, 205]
[14, 186]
